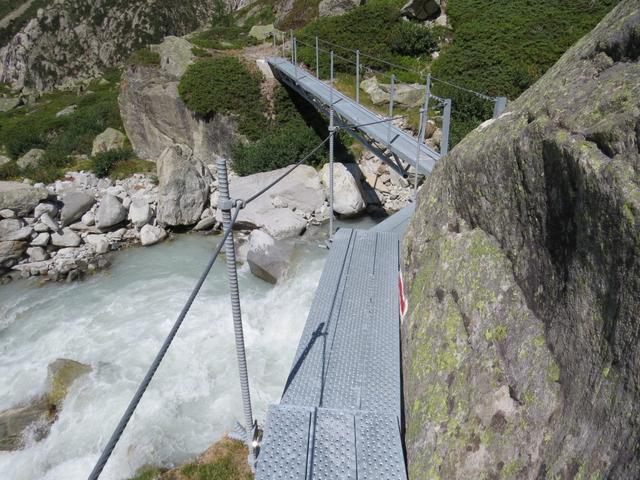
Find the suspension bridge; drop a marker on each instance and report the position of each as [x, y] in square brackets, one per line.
[340, 414]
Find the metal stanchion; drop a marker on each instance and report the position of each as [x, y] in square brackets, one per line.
[225, 204]
[393, 93]
[422, 130]
[332, 130]
[317, 59]
[358, 76]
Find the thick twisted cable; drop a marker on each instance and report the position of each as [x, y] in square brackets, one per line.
[293, 167]
[117, 433]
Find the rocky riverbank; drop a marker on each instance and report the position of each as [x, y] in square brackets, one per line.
[65, 229]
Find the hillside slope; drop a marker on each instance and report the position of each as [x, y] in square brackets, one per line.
[75, 39]
[521, 348]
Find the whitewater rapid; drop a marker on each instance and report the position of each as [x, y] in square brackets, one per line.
[115, 321]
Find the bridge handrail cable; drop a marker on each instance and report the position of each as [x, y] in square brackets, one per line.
[394, 65]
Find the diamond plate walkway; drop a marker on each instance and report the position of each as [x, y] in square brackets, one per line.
[400, 143]
[339, 416]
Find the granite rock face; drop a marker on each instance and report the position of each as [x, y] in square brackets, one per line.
[73, 40]
[155, 117]
[522, 341]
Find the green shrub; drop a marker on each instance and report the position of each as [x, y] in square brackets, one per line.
[9, 171]
[226, 86]
[144, 57]
[104, 162]
[412, 39]
[287, 144]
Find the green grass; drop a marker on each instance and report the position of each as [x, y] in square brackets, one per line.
[144, 57]
[501, 48]
[376, 29]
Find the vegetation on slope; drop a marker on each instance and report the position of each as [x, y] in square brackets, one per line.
[276, 135]
[14, 26]
[225, 460]
[65, 138]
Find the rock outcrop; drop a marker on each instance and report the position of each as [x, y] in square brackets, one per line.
[40, 413]
[521, 345]
[75, 39]
[421, 9]
[20, 197]
[155, 117]
[331, 8]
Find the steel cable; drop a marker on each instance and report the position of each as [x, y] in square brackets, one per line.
[115, 437]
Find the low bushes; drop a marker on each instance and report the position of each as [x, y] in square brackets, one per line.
[144, 57]
[225, 85]
[104, 162]
[37, 126]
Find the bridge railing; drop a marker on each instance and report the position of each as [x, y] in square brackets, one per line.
[362, 63]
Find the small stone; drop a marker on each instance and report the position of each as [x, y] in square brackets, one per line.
[67, 111]
[99, 242]
[45, 207]
[150, 235]
[68, 238]
[89, 219]
[22, 234]
[40, 227]
[36, 254]
[110, 212]
[206, 224]
[41, 240]
[49, 222]
[117, 235]
[139, 212]
[7, 213]
[76, 203]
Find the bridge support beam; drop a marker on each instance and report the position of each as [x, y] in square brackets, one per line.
[226, 204]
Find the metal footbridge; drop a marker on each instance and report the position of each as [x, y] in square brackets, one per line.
[340, 414]
[366, 125]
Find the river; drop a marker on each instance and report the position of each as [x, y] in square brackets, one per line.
[115, 321]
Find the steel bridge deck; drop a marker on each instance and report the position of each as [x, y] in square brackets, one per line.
[401, 144]
[340, 413]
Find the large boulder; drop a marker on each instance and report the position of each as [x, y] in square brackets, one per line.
[20, 197]
[183, 190]
[301, 191]
[421, 9]
[262, 32]
[347, 197]
[75, 204]
[110, 139]
[9, 103]
[110, 212]
[155, 118]
[404, 95]
[31, 159]
[140, 211]
[268, 258]
[40, 414]
[521, 348]
[330, 8]
[175, 55]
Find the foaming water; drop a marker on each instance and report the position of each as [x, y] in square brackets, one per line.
[116, 321]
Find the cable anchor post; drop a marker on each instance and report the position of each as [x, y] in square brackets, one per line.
[226, 204]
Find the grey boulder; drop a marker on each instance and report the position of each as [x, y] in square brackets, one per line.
[10, 251]
[421, 9]
[45, 207]
[75, 204]
[268, 258]
[110, 212]
[110, 139]
[99, 242]
[20, 197]
[31, 158]
[183, 190]
[140, 212]
[346, 192]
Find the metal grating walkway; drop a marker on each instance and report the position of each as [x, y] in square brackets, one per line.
[339, 416]
[400, 143]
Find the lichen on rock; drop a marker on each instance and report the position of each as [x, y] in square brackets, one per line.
[523, 268]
